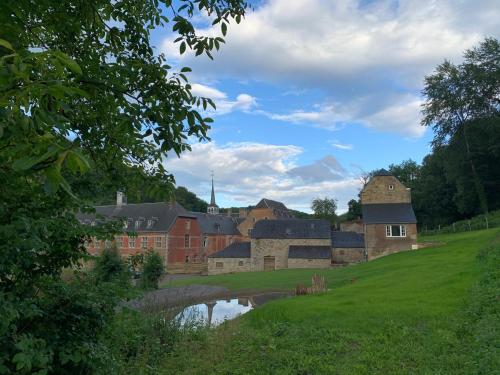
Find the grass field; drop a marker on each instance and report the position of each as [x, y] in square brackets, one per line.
[400, 316]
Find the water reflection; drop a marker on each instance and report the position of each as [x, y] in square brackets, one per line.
[215, 312]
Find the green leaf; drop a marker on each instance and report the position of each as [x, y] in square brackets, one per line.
[182, 48]
[6, 44]
[186, 69]
[223, 28]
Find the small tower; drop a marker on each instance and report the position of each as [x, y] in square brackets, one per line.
[212, 208]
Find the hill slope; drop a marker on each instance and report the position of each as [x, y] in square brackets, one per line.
[401, 315]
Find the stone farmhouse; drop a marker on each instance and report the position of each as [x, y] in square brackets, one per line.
[388, 226]
[268, 237]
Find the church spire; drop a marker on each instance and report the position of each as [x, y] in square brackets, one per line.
[212, 207]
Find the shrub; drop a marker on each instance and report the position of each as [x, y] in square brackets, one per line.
[152, 270]
[110, 267]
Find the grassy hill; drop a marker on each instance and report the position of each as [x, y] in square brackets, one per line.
[431, 311]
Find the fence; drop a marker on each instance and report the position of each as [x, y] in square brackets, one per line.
[491, 220]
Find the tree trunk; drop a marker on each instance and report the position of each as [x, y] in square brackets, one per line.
[481, 195]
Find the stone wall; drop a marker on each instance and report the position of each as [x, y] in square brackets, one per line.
[378, 190]
[352, 226]
[308, 263]
[229, 265]
[348, 255]
[253, 216]
[278, 248]
[378, 244]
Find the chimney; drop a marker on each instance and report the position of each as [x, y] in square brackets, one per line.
[121, 199]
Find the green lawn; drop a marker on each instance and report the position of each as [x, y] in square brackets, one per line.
[398, 317]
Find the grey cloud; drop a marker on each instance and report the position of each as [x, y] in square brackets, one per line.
[325, 169]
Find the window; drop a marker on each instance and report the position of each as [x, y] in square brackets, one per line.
[119, 241]
[150, 223]
[158, 242]
[186, 240]
[131, 242]
[205, 241]
[250, 231]
[341, 252]
[391, 187]
[395, 230]
[187, 259]
[240, 263]
[107, 244]
[137, 224]
[219, 265]
[144, 242]
[188, 224]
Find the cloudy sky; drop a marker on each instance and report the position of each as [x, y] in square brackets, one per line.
[312, 93]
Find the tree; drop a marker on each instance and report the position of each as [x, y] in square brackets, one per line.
[189, 200]
[458, 95]
[152, 270]
[82, 91]
[324, 208]
[407, 172]
[354, 210]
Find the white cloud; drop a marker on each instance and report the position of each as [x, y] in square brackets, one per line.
[358, 52]
[247, 172]
[243, 102]
[341, 146]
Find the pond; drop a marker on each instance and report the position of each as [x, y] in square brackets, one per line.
[216, 312]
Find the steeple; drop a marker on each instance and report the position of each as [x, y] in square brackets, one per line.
[212, 207]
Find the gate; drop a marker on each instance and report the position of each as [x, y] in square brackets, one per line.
[269, 263]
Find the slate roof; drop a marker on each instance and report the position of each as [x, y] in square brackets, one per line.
[216, 224]
[269, 203]
[309, 252]
[388, 213]
[291, 228]
[382, 172]
[235, 250]
[151, 217]
[348, 239]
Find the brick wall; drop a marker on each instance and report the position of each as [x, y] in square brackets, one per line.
[279, 249]
[178, 250]
[378, 244]
[352, 226]
[217, 266]
[378, 191]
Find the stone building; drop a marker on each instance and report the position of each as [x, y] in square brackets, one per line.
[265, 209]
[234, 258]
[348, 247]
[389, 222]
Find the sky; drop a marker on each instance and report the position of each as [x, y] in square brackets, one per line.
[311, 94]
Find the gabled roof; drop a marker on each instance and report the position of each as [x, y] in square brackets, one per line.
[268, 203]
[388, 213]
[235, 250]
[216, 224]
[382, 172]
[348, 239]
[309, 252]
[291, 228]
[151, 217]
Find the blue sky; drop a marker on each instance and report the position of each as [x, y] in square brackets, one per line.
[312, 93]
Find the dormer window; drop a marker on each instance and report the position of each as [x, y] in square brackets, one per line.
[137, 224]
[288, 231]
[150, 223]
[391, 187]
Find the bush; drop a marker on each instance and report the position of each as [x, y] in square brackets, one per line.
[110, 267]
[152, 270]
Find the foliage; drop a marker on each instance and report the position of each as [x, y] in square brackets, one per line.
[137, 342]
[324, 208]
[300, 214]
[459, 97]
[84, 100]
[402, 315]
[189, 200]
[110, 266]
[491, 220]
[354, 210]
[152, 270]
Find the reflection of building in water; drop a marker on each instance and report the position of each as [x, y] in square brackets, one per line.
[210, 306]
